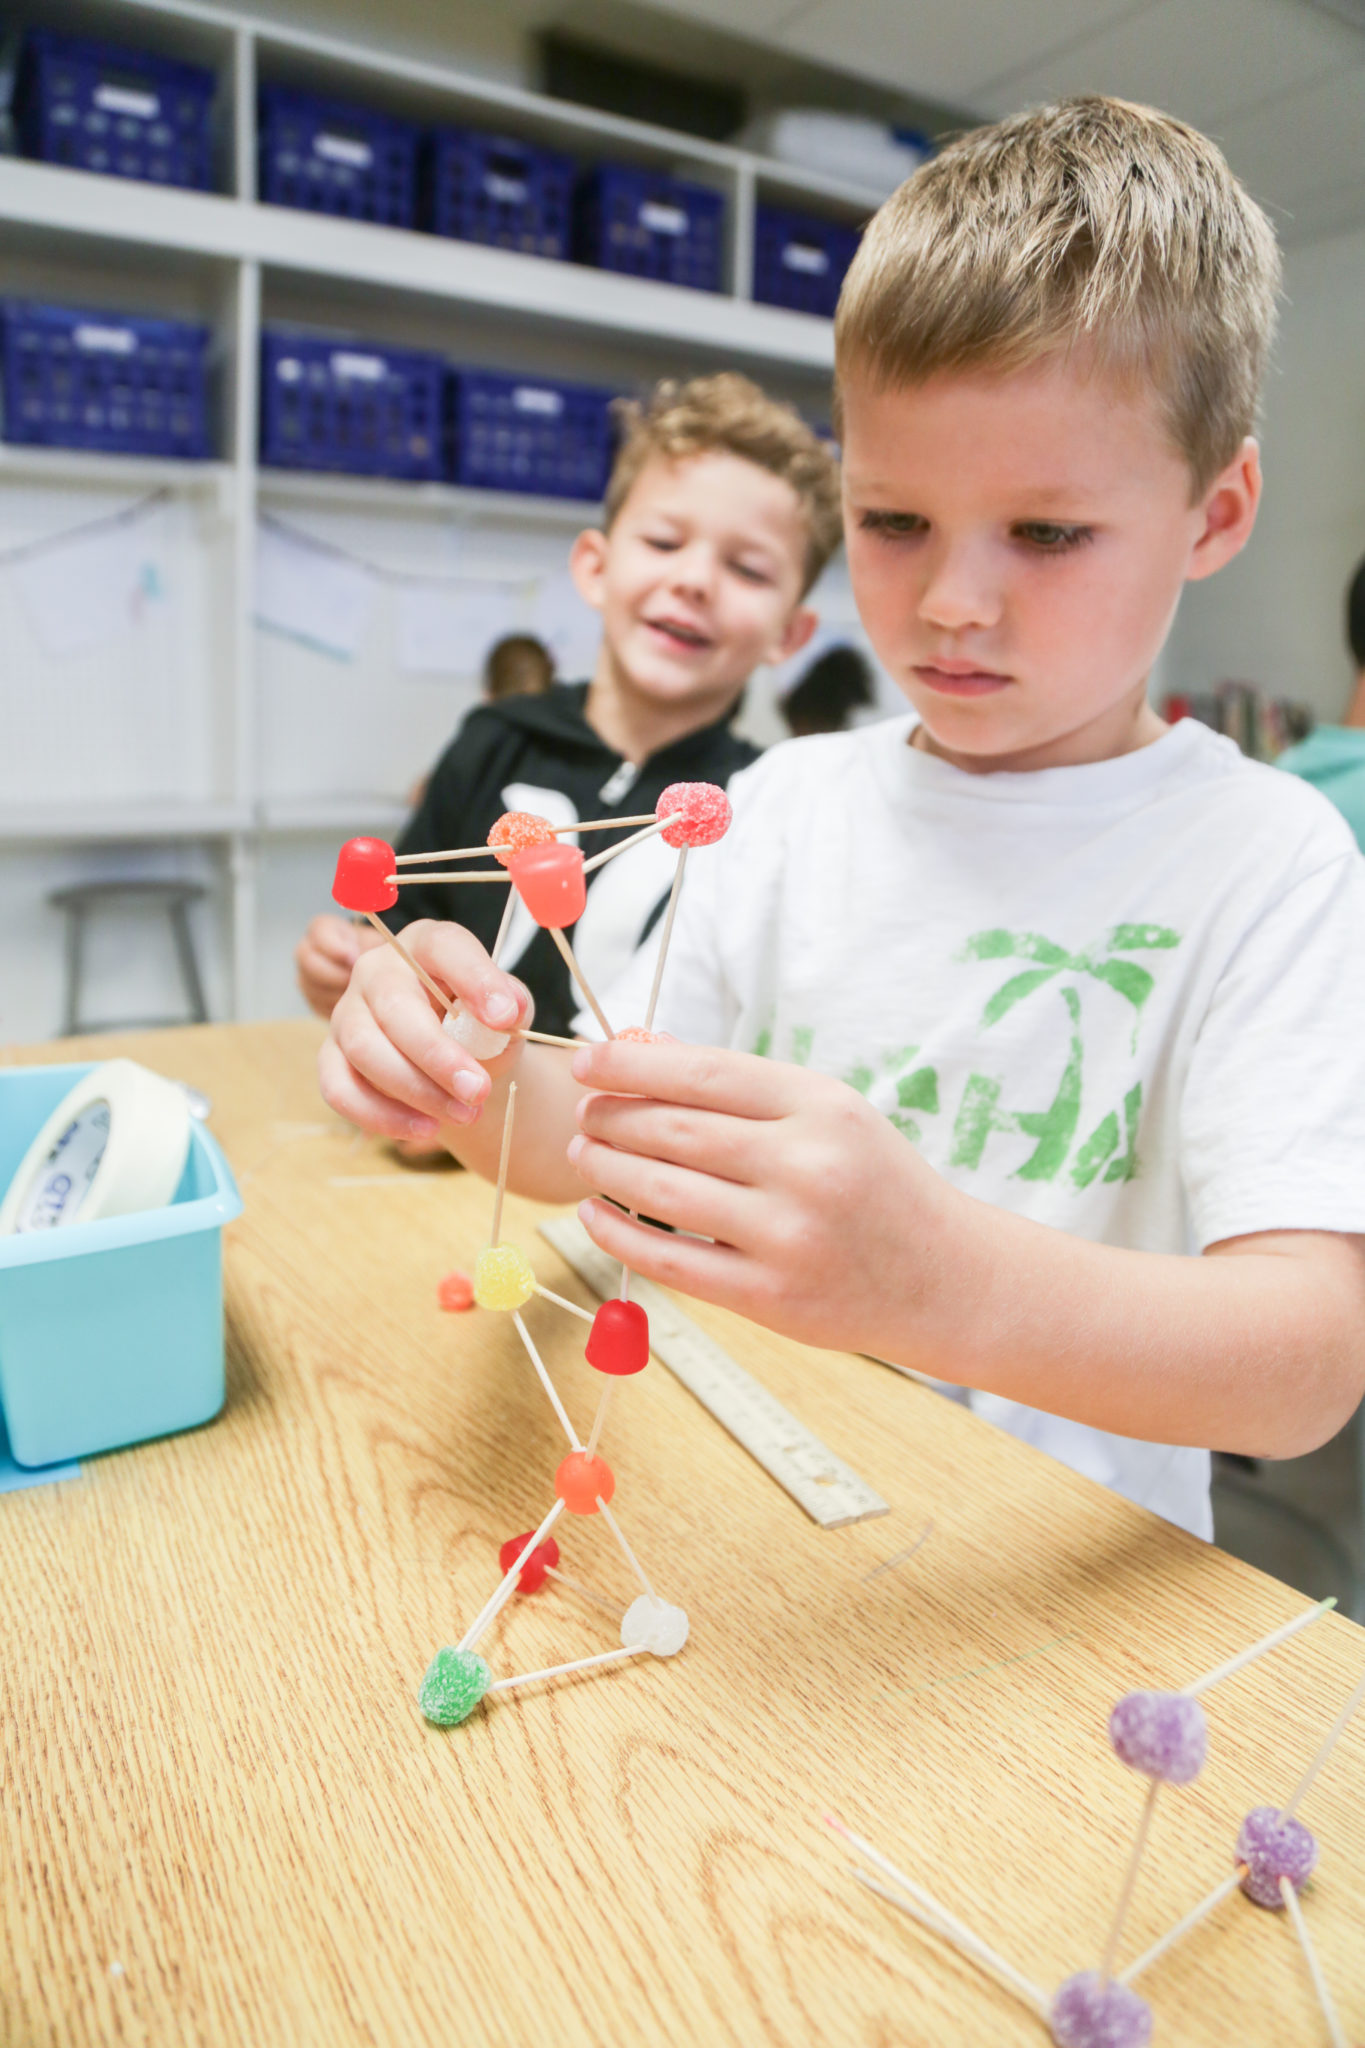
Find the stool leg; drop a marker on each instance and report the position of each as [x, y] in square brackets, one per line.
[189, 966]
[75, 935]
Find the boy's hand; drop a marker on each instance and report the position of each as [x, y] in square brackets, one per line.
[388, 1065]
[827, 1223]
[325, 956]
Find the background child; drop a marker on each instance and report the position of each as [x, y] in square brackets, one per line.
[1104, 976]
[1332, 757]
[721, 511]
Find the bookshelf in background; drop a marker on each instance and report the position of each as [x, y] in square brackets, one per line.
[1262, 725]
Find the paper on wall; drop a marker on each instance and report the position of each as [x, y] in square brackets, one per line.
[570, 628]
[448, 630]
[310, 595]
[90, 590]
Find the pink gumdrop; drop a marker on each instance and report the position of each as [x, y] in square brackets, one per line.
[700, 811]
[362, 876]
[550, 882]
[455, 1292]
[543, 1558]
[515, 831]
[635, 1034]
[618, 1342]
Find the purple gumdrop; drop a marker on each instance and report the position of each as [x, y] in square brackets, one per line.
[1272, 1847]
[1162, 1733]
[1088, 2013]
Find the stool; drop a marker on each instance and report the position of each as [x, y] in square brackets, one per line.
[174, 898]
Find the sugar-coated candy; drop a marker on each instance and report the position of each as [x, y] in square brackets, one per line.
[650, 1624]
[618, 1341]
[515, 831]
[551, 883]
[455, 1291]
[635, 1034]
[474, 1035]
[543, 1558]
[1272, 1847]
[1086, 2013]
[700, 811]
[1162, 1733]
[455, 1682]
[503, 1277]
[579, 1481]
[362, 877]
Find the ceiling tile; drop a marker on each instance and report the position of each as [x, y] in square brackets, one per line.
[942, 49]
[1304, 142]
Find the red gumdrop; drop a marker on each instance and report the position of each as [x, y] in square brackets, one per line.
[551, 883]
[455, 1291]
[515, 831]
[543, 1558]
[362, 876]
[580, 1480]
[700, 811]
[618, 1341]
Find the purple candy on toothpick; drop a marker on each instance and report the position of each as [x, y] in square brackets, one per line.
[1086, 2012]
[1274, 1845]
[1163, 1734]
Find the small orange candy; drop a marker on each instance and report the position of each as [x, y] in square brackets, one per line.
[581, 1479]
[515, 831]
[455, 1291]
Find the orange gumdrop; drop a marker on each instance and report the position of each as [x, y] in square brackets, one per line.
[455, 1291]
[581, 1479]
[515, 831]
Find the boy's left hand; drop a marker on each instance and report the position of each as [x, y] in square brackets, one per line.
[828, 1226]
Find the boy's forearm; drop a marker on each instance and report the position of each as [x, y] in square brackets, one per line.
[544, 1123]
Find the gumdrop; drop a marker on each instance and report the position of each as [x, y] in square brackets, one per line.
[700, 811]
[1088, 2013]
[551, 883]
[455, 1291]
[474, 1035]
[1163, 1734]
[1273, 1846]
[650, 1624]
[515, 831]
[543, 1558]
[362, 877]
[580, 1481]
[503, 1277]
[635, 1034]
[618, 1342]
[455, 1682]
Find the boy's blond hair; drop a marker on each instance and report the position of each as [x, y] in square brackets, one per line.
[1092, 224]
[727, 414]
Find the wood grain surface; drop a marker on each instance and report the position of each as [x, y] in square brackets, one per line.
[224, 1820]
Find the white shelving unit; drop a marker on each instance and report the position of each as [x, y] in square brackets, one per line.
[238, 255]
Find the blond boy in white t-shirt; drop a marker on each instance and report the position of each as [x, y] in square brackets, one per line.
[1032, 1052]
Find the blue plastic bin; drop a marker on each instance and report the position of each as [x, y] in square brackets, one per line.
[346, 406]
[800, 259]
[110, 1332]
[328, 156]
[529, 434]
[83, 378]
[100, 107]
[490, 188]
[650, 225]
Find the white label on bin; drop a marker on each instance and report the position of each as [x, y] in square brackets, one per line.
[121, 99]
[663, 220]
[805, 257]
[64, 1179]
[111, 341]
[365, 369]
[507, 191]
[344, 149]
[534, 398]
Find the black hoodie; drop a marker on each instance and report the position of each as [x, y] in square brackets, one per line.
[540, 754]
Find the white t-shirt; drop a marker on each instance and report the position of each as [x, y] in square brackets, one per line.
[1125, 999]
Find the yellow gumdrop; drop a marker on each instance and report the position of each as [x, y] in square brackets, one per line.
[503, 1277]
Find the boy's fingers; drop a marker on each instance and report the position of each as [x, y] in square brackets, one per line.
[380, 1051]
[709, 1272]
[689, 1201]
[455, 958]
[352, 1097]
[701, 1076]
[698, 1138]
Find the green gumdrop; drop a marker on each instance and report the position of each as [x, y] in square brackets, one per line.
[456, 1681]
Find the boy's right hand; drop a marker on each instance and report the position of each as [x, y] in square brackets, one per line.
[387, 1064]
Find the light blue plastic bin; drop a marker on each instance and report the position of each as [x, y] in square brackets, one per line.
[110, 1332]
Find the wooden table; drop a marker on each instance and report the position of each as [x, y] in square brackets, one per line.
[225, 1822]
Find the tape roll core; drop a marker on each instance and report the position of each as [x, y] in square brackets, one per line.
[115, 1144]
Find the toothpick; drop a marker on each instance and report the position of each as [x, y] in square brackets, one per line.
[570, 1432]
[631, 1559]
[548, 1038]
[552, 1571]
[578, 1664]
[1111, 1947]
[561, 1301]
[576, 971]
[1333, 1736]
[665, 936]
[1270, 1642]
[501, 940]
[491, 1609]
[503, 1158]
[656, 825]
[601, 1416]
[484, 875]
[608, 824]
[407, 860]
[927, 1910]
[1184, 1927]
[1329, 2012]
[447, 1002]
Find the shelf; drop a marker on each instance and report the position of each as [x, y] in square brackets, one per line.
[332, 814]
[27, 823]
[117, 472]
[437, 501]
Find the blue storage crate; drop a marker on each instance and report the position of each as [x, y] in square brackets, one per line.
[346, 406]
[489, 188]
[110, 381]
[112, 1331]
[529, 434]
[650, 225]
[800, 260]
[100, 107]
[329, 157]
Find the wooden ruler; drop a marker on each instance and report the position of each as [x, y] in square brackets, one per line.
[831, 1493]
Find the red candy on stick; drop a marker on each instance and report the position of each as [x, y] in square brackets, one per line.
[515, 831]
[362, 877]
[579, 1481]
[618, 1342]
[550, 881]
[700, 811]
[543, 1558]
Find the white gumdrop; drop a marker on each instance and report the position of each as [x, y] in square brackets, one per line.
[469, 1031]
[653, 1625]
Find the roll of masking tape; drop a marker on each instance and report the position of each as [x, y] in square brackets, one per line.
[115, 1144]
